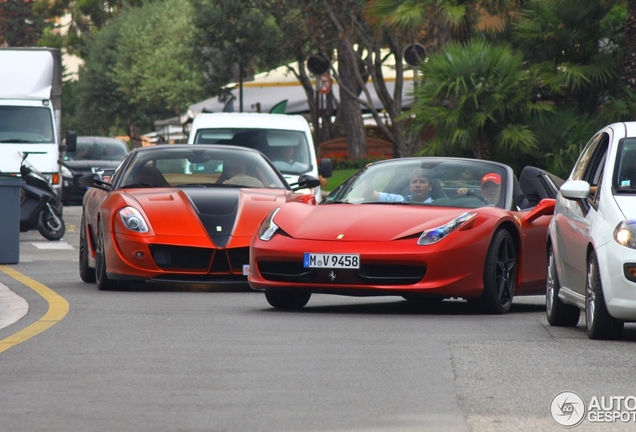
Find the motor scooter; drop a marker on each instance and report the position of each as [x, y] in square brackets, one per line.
[37, 208]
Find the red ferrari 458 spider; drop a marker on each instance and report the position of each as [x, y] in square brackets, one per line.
[420, 228]
[181, 213]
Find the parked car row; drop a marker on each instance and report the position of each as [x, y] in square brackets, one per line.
[422, 228]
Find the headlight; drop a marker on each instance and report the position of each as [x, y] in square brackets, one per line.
[133, 220]
[625, 233]
[436, 234]
[66, 172]
[268, 227]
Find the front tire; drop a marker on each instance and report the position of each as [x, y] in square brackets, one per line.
[559, 314]
[103, 282]
[87, 274]
[500, 274]
[598, 322]
[287, 299]
[50, 223]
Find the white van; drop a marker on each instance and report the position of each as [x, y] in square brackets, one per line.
[285, 139]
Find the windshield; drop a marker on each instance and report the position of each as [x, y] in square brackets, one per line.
[625, 167]
[188, 166]
[288, 150]
[112, 150]
[427, 182]
[30, 125]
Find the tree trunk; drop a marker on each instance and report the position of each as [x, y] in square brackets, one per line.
[135, 136]
[349, 113]
[481, 147]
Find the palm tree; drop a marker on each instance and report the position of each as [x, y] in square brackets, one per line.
[567, 50]
[442, 20]
[477, 98]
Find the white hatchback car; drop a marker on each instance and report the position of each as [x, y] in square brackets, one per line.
[592, 237]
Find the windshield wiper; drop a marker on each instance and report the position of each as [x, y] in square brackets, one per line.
[16, 140]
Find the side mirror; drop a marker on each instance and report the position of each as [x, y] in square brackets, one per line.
[326, 168]
[70, 143]
[576, 190]
[94, 180]
[305, 182]
[544, 208]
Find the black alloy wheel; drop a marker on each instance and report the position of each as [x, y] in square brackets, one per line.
[500, 274]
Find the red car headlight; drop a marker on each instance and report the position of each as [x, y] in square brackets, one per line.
[268, 228]
[436, 234]
[133, 220]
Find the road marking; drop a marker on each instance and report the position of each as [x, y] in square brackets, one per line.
[53, 245]
[58, 308]
[12, 307]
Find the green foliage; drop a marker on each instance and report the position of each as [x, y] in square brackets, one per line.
[477, 98]
[22, 23]
[155, 57]
[139, 69]
[101, 103]
[235, 32]
[570, 48]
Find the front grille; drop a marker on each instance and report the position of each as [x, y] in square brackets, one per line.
[181, 257]
[376, 274]
[221, 261]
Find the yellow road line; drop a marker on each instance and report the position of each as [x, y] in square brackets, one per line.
[58, 308]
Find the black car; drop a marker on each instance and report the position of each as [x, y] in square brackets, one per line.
[93, 155]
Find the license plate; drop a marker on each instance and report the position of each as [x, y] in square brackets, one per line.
[326, 260]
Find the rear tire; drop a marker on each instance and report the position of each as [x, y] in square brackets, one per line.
[598, 322]
[287, 299]
[559, 314]
[50, 224]
[500, 275]
[87, 274]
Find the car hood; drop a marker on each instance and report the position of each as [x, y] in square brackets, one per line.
[362, 222]
[222, 212]
[627, 205]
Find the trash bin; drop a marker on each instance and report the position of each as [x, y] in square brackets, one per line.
[10, 187]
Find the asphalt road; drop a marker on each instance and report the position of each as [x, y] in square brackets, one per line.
[202, 358]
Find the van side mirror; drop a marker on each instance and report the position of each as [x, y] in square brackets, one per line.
[326, 167]
[70, 143]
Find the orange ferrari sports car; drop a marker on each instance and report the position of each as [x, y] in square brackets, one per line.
[419, 228]
[181, 213]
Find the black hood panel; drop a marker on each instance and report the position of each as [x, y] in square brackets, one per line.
[217, 209]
